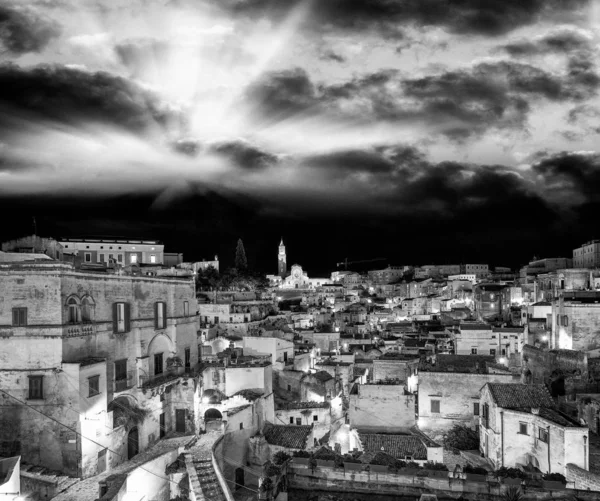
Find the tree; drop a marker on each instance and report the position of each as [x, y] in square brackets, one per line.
[241, 263]
[461, 438]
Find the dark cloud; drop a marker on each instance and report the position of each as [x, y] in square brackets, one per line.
[491, 18]
[278, 95]
[22, 30]
[571, 174]
[564, 41]
[72, 95]
[244, 154]
[332, 56]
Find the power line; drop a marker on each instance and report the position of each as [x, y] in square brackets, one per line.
[86, 438]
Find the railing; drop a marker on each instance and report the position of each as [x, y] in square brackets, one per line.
[79, 329]
[125, 384]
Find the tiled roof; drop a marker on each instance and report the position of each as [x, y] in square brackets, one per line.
[305, 405]
[458, 363]
[556, 417]
[520, 396]
[399, 446]
[234, 410]
[250, 394]
[290, 436]
[475, 327]
[322, 376]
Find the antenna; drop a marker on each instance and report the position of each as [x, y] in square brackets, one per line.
[34, 226]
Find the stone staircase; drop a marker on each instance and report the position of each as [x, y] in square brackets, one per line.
[208, 480]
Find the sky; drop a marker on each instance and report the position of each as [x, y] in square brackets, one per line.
[417, 131]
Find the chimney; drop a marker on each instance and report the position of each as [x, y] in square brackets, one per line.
[535, 411]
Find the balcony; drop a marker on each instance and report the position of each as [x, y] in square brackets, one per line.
[126, 383]
[71, 330]
[146, 381]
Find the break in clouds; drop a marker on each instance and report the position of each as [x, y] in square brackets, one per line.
[436, 110]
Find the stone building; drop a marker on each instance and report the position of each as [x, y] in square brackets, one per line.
[315, 414]
[121, 251]
[520, 425]
[382, 408]
[449, 390]
[575, 321]
[108, 360]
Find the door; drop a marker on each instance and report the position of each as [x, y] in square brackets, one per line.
[101, 461]
[486, 446]
[133, 443]
[161, 424]
[239, 478]
[180, 420]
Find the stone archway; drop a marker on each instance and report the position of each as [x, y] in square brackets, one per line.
[212, 414]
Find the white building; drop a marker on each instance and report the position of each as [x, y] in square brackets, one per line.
[520, 425]
[122, 251]
[279, 349]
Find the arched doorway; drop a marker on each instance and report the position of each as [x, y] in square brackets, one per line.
[213, 420]
[133, 442]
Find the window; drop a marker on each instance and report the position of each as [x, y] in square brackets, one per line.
[241, 426]
[565, 321]
[298, 421]
[19, 317]
[435, 406]
[186, 309]
[291, 420]
[133, 258]
[523, 429]
[473, 351]
[87, 257]
[289, 387]
[158, 363]
[475, 408]
[100, 258]
[543, 434]
[486, 415]
[503, 351]
[187, 358]
[315, 418]
[94, 386]
[121, 370]
[86, 309]
[492, 351]
[160, 315]
[153, 258]
[36, 387]
[74, 312]
[121, 317]
[120, 258]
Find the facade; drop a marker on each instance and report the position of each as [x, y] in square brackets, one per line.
[200, 266]
[588, 255]
[387, 275]
[120, 251]
[88, 350]
[483, 339]
[490, 301]
[298, 279]
[382, 408]
[540, 266]
[278, 349]
[575, 321]
[480, 270]
[34, 245]
[449, 390]
[520, 425]
[315, 414]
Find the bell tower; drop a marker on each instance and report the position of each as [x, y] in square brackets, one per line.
[282, 269]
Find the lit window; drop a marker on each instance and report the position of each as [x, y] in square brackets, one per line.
[153, 258]
[133, 258]
[161, 315]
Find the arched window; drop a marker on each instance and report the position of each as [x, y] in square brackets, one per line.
[87, 309]
[74, 311]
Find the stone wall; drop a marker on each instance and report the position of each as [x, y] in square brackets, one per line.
[342, 480]
[382, 408]
[584, 480]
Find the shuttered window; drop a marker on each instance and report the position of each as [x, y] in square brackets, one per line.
[36, 387]
[121, 317]
[19, 317]
[160, 315]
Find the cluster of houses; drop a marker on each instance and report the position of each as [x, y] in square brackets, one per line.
[107, 350]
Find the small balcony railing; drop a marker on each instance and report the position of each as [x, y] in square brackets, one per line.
[79, 329]
[125, 383]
